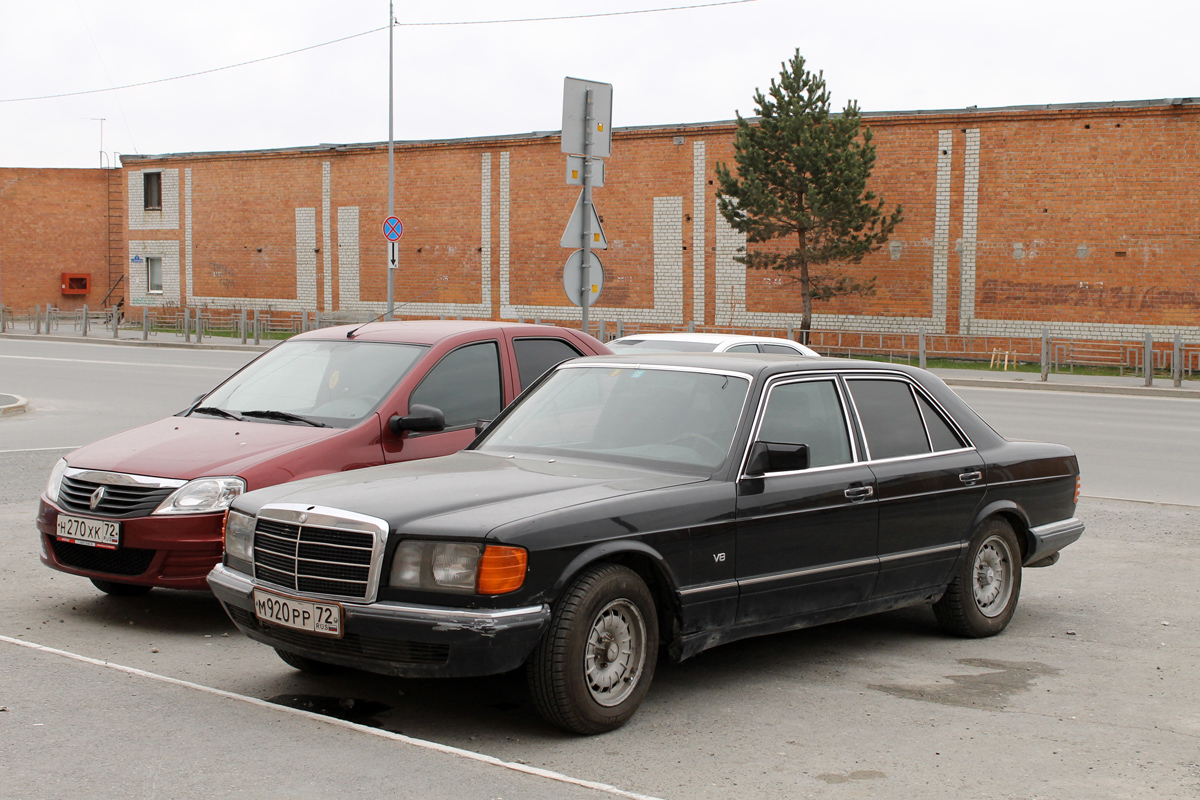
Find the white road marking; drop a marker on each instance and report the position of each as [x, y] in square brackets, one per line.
[42, 449]
[117, 363]
[341, 723]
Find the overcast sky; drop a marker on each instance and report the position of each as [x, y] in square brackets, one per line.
[465, 80]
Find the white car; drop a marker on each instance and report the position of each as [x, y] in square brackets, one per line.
[708, 343]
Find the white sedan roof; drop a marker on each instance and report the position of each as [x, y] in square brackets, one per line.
[720, 342]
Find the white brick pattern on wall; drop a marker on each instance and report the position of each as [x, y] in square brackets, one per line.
[326, 238]
[142, 220]
[941, 230]
[168, 251]
[348, 254]
[699, 195]
[970, 233]
[306, 257]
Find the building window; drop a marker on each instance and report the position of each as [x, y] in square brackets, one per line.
[152, 190]
[153, 275]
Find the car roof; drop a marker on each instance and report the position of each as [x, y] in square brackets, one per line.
[708, 338]
[753, 363]
[428, 331]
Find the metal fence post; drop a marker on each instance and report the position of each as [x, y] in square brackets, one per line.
[199, 333]
[242, 326]
[620, 328]
[1045, 354]
[85, 320]
[921, 348]
[187, 325]
[116, 325]
[145, 324]
[600, 330]
[1148, 360]
[37, 319]
[257, 328]
[1177, 361]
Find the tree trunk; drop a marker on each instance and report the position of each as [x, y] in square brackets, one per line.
[805, 290]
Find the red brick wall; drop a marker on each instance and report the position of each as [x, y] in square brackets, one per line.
[52, 221]
[1102, 203]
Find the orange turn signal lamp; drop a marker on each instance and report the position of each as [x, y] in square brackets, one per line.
[501, 569]
[1078, 487]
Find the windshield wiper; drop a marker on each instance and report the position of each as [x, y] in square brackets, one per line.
[216, 412]
[284, 416]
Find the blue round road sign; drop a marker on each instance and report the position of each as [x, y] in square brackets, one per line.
[393, 229]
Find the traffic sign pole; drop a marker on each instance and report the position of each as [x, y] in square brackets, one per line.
[391, 271]
[585, 284]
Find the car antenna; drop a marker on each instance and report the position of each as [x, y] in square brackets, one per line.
[350, 333]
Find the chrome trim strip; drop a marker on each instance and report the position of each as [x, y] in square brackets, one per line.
[797, 573]
[1039, 479]
[458, 614]
[709, 587]
[924, 551]
[122, 478]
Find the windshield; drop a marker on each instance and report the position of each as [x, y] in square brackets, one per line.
[335, 383]
[660, 346]
[657, 417]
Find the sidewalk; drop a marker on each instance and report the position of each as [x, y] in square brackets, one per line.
[1068, 382]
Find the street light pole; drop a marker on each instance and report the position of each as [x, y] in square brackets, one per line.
[391, 272]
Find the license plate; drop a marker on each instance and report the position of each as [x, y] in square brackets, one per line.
[101, 533]
[303, 615]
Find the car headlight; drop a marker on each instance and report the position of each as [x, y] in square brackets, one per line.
[55, 482]
[202, 496]
[239, 535]
[460, 567]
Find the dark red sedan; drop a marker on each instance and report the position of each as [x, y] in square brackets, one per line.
[144, 508]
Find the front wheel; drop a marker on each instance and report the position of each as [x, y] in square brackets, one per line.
[983, 596]
[592, 668]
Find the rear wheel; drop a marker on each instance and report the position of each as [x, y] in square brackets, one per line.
[120, 589]
[306, 664]
[983, 596]
[592, 668]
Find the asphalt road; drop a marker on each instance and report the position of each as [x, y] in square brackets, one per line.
[1091, 692]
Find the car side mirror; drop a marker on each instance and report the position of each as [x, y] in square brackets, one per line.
[481, 425]
[776, 457]
[419, 419]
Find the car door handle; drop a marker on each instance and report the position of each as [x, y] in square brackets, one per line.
[971, 478]
[860, 492]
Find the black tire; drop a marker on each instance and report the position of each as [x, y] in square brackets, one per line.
[983, 596]
[306, 664]
[593, 666]
[121, 589]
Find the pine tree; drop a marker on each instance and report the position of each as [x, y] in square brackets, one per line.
[802, 172]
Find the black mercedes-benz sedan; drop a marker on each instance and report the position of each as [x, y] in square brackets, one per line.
[631, 504]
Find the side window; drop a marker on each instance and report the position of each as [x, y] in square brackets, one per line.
[465, 385]
[536, 356]
[743, 348]
[890, 418]
[153, 275]
[941, 435]
[810, 413]
[780, 350]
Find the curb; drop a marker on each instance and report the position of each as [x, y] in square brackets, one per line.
[12, 404]
[1088, 388]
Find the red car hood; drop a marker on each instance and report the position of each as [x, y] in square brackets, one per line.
[192, 447]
